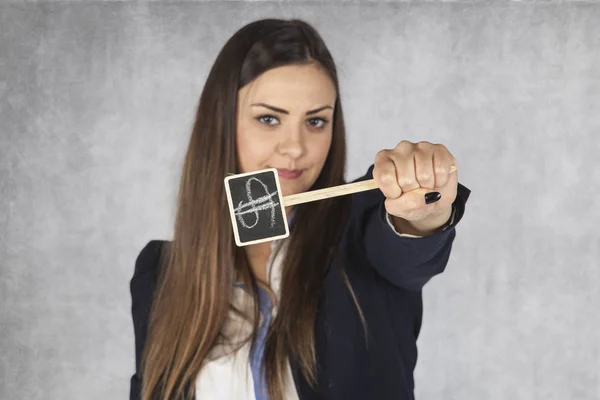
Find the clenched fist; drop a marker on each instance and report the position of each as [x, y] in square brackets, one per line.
[410, 176]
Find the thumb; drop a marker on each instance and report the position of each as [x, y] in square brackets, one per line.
[415, 204]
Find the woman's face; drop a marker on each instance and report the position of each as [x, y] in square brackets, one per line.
[284, 121]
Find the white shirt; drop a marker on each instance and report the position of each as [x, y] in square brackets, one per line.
[227, 375]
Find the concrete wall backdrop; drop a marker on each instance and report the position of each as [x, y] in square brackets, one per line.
[96, 105]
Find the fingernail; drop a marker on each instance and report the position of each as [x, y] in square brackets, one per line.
[432, 197]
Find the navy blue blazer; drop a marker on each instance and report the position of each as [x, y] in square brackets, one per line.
[387, 273]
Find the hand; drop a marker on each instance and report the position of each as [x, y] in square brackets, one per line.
[407, 172]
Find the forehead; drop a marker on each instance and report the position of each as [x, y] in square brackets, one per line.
[290, 86]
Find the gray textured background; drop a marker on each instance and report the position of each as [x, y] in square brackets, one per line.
[97, 100]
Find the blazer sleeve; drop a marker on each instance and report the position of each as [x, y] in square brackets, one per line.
[142, 286]
[405, 261]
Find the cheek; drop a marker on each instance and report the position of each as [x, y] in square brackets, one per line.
[320, 148]
[252, 150]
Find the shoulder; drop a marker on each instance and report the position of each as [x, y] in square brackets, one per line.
[148, 258]
[147, 263]
[144, 280]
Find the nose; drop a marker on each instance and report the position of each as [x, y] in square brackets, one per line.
[292, 143]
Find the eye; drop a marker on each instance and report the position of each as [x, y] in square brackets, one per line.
[267, 119]
[318, 123]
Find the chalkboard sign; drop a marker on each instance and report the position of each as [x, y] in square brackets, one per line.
[256, 207]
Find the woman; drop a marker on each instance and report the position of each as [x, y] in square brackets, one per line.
[334, 310]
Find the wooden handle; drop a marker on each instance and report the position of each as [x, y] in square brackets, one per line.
[334, 191]
[329, 192]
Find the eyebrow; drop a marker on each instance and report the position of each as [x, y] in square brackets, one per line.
[282, 111]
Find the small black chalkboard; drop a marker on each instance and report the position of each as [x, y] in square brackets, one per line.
[255, 205]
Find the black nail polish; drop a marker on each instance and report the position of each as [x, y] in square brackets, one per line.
[432, 197]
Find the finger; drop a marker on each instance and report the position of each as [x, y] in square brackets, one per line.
[411, 206]
[384, 174]
[405, 169]
[424, 171]
[444, 165]
[441, 168]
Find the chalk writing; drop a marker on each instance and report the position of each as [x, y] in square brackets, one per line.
[256, 207]
[253, 206]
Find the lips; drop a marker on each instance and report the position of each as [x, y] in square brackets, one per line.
[289, 173]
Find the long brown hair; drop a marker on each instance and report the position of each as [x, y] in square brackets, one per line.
[192, 299]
